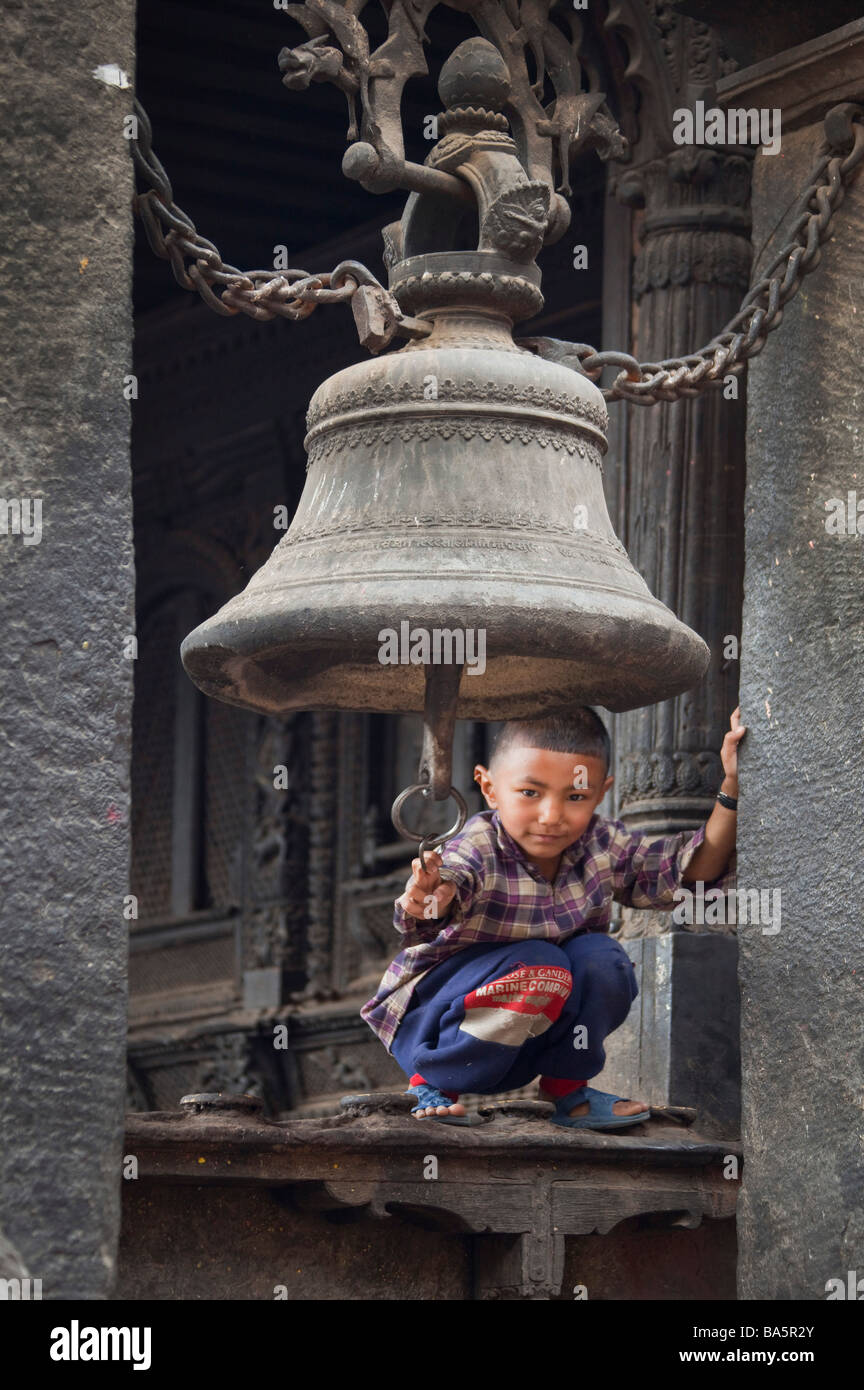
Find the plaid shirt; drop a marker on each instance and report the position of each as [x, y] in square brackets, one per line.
[501, 896]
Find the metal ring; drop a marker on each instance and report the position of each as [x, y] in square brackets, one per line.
[427, 842]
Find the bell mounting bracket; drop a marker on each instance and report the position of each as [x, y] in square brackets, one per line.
[485, 85]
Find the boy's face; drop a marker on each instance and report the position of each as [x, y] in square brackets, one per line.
[544, 800]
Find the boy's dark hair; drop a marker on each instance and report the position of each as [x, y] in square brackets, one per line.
[583, 731]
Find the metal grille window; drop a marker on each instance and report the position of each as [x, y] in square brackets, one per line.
[153, 762]
[225, 730]
[188, 778]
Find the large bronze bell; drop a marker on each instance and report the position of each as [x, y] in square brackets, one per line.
[453, 516]
[453, 486]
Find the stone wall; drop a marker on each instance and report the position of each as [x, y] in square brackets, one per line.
[66, 604]
[801, 1218]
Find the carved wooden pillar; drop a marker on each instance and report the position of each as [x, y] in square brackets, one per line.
[275, 880]
[683, 526]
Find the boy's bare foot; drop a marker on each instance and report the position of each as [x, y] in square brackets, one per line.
[621, 1107]
[436, 1102]
[454, 1109]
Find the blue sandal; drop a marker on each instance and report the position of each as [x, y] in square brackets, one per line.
[600, 1115]
[430, 1095]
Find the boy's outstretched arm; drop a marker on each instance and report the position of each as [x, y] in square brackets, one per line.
[713, 855]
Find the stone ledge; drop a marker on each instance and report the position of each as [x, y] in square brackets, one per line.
[520, 1186]
[169, 1144]
[804, 82]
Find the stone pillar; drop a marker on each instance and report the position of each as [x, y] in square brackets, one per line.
[801, 1214]
[682, 525]
[67, 605]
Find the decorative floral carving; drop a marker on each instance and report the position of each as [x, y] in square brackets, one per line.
[668, 54]
[514, 224]
[661, 775]
[228, 1066]
[463, 525]
[512, 294]
[467, 428]
[680, 258]
[276, 886]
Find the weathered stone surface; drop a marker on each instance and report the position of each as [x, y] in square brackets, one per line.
[801, 1220]
[635, 1262]
[192, 1242]
[244, 1243]
[67, 602]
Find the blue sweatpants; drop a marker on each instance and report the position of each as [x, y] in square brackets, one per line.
[492, 1018]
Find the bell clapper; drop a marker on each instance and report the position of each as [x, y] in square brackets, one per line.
[439, 721]
[436, 756]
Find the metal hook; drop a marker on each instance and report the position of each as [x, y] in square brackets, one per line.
[426, 843]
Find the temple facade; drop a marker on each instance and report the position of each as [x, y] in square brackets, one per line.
[262, 861]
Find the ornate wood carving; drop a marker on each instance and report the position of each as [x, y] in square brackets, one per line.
[671, 61]
[227, 1066]
[684, 476]
[323, 820]
[276, 887]
[684, 522]
[477, 82]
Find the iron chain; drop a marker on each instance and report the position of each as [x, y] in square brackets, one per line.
[761, 311]
[293, 294]
[198, 265]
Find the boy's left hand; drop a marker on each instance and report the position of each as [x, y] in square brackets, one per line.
[729, 751]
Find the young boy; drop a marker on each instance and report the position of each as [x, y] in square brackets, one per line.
[508, 971]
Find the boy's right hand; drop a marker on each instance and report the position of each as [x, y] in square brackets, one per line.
[426, 894]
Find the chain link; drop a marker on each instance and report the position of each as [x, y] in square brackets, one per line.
[761, 311]
[198, 265]
[293, 294]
